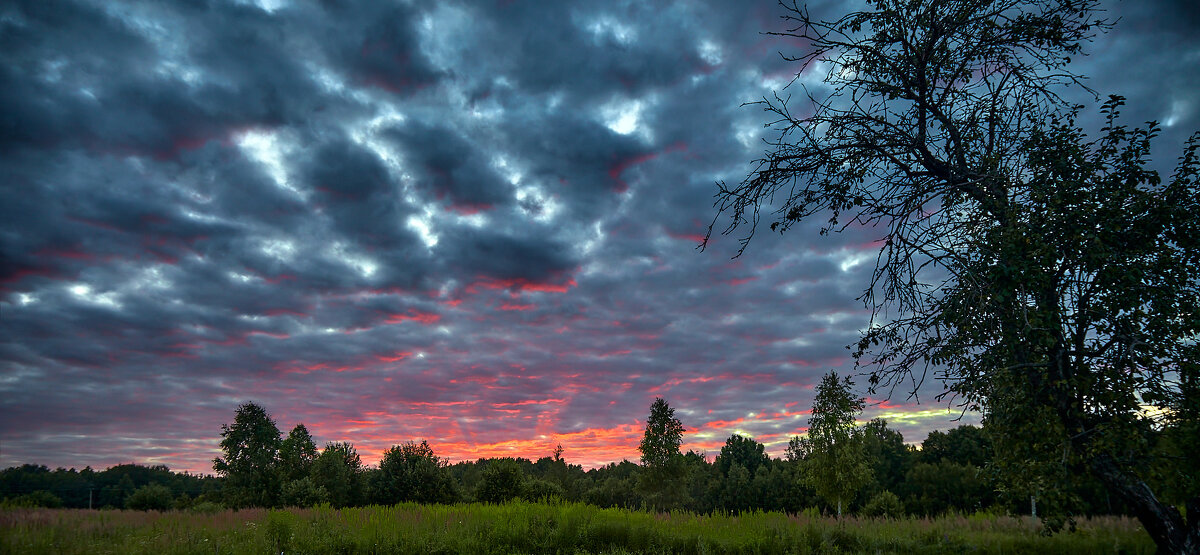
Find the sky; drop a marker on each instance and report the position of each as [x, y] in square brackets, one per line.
[474, 223]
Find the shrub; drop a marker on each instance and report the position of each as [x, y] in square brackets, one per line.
[885, 504]
[303, 493]
[205, 508]
[502, 481]
[150, 497]
[40, 498]
[536, 489]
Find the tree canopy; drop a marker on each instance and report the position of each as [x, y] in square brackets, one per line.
[742, 451]
[251, 445]
[297, 454]
[662, 476]
[411, 472]
[836, 465]
[1048, 279]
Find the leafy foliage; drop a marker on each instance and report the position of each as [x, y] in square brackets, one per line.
[150, 497]
[411, 472]
[251, 445]
[661, 479]
[743, 451]
[968, 445]
[884, 504]
[503, 480]
[303, 492]
[887, 454]
[339, 470]
[297, 454]
[1048, 279]
[836, 465]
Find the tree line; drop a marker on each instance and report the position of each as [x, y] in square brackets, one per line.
[839, 467]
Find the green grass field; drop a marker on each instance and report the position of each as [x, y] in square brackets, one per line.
[536, 528]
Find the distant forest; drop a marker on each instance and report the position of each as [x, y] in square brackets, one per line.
[948, 473]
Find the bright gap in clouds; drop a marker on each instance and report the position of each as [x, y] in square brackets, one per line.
[710, 52]
[342, 252]
[622, 115]
[367, 135]
[83, 292]
[609, 27]
[263, 146]
[852, 259]
[269, 6]
[423, 225]
[278, 248]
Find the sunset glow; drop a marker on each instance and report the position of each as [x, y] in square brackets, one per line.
[469, 223]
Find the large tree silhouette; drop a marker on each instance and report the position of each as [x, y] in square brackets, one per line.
[1048, 279]
[251, 446]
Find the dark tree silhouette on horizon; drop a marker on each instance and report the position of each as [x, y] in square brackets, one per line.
[1047, 279]
[251, 446]
[662, 473]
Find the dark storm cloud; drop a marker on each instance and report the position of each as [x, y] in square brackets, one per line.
[352, 187]
[577, 155]
[530, 257]
[473, 223]
[82, 76]
[450, 167]
[586, 50]
[375, 43]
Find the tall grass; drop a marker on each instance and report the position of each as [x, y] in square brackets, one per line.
[537, 528]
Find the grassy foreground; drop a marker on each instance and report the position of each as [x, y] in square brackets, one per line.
[536, 528]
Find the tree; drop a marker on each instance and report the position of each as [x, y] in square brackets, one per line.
[150, 497]
[411, 472]
[662, 475]
[742, 451]
[836, 466]
[251, 446]
[503, 480]
[933, 489]
[297, 454]
[968, 445]
[338, 469]
[735, 493]
[1049, 280]
[303, 492]
[887, 454]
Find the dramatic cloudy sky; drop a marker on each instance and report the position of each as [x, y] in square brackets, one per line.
[468, 222]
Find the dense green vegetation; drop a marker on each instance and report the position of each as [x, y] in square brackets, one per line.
[950, 473]
[38, 486]
[521, 527]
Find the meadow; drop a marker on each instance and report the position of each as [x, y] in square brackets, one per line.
[521, 527]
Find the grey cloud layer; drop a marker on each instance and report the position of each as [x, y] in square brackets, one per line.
[339, 208]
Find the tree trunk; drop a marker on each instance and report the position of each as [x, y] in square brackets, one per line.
[1165, 525]
[839, 508]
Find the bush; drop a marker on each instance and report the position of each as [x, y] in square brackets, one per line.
[885, 504]
[150, 497]
[502, 481]
[40, 498]
[205, 508]
[303, 493]
[537, 489]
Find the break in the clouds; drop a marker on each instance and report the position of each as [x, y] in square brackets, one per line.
[468, 222]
